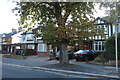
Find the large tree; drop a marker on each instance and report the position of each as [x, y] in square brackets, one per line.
[61, 23]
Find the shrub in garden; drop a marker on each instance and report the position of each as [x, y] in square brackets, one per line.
[110, 47]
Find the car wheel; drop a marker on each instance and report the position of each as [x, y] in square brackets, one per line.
[57, 58]
[77, 59]
[86, 58]
[93, 58]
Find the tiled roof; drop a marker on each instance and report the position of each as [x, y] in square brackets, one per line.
[101, 19]
[8, 34]
[30, 32]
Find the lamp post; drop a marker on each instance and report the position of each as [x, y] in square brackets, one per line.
[116, 42]
[116, 50]
[116, 31]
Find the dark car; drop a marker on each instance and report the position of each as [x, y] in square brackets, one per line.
[70, 54]
[85, 55]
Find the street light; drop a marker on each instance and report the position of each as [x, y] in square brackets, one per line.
[117, 27]
[116, 48]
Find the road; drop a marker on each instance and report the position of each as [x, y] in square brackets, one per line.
[18, 72]
[9, 71]
[15, 71]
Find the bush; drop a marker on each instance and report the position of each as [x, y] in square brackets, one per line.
[110, 47]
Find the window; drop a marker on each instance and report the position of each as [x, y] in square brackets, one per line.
[96, 47]
[17, 47]
[103, 47]
[23, 38]
[99, 46]
[3, 39]
[31, 46]
[42, 47]
[106, 29]
[30, 37]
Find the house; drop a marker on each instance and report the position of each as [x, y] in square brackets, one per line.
[99, 40]
[16, 38]
[27, 40]
[35, 43]
[7, 41]
[13, 41]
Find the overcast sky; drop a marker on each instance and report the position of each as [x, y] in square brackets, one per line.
[8, 19]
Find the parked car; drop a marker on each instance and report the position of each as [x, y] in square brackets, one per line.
[70, 54]
[85, 55]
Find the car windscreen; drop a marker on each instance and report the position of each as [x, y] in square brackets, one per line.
[90, 51]
[85, 51]
[80, 51]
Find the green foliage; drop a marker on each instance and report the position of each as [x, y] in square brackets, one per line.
[110, 47]
[20, 28]
[14, 56]
[53, 20]
[113, 11]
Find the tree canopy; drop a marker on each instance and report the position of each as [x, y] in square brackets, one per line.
[59, 21]
[66, 23]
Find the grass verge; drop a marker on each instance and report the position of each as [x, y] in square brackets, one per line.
[14, 56]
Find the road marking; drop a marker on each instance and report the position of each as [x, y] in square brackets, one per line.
[16, 65]
[110, 67]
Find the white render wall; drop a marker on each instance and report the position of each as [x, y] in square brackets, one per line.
[25, 38]
[17, 38]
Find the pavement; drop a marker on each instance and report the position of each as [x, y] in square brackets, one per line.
[74, 68]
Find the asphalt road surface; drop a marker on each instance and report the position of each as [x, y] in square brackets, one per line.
[12, 72]
[18, 72]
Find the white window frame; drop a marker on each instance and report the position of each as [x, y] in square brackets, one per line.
[31, 46]
[98, 44]
[43, 48]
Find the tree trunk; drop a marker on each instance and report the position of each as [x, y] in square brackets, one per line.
[63, 54]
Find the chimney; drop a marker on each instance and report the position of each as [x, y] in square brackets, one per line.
[14, 30]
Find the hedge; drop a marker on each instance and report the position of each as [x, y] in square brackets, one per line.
[110, 47]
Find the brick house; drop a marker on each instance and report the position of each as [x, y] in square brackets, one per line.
[26, 40]
[7, 41]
